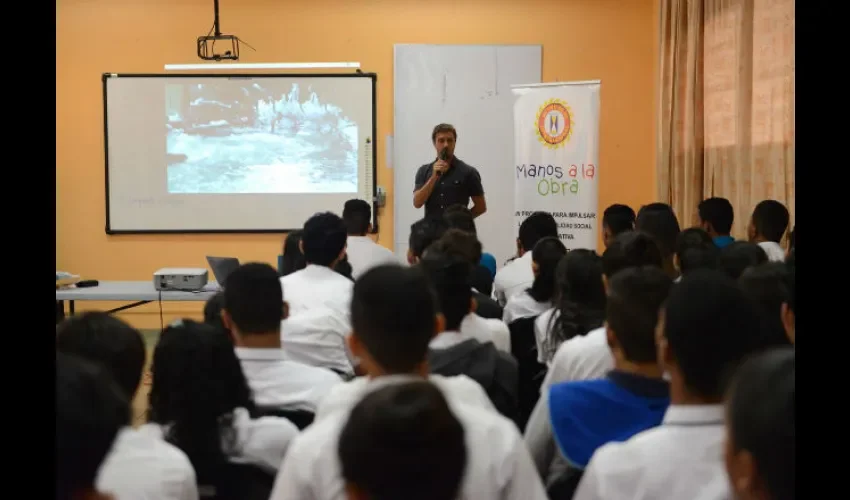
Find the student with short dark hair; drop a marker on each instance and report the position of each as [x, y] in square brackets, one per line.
[659, 221]
[90, 412]
[403, 441]
[363, 253]
[707, 327]
[484, 321]
[695, 249]
[616, 219]
[253, 310]
[516, 276]
[538, 297]
[423, 233]
[767, 227]
[761, 434]
[716, 216]
[318, 298]
[200, 402]
[394, 317]
[737, 256]
[583, 415]
[768, 287]
[460, 217]
[454, 352]
[110, 343]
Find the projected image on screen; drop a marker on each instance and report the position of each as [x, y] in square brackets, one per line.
[269, 137]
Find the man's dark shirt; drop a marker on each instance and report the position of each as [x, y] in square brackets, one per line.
[456, 186]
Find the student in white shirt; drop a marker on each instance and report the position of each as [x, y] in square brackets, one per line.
[588, 356]
[394, 317]
[537, 298]
[517, 275]
[403, 441]
[659, 221]
[252, 312]
[707, 327]
[319, 298]
[767, 226]
[761, 442]
[363, 253]
[201, 403]
[109, 342]
[579, 303]
[90, 411]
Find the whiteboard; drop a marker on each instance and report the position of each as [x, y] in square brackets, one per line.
[469, 87]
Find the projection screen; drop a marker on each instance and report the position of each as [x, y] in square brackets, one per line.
[235, 153]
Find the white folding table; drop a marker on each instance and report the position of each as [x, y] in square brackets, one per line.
[136, 292]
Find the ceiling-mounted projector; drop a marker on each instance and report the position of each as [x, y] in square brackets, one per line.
[228, 45]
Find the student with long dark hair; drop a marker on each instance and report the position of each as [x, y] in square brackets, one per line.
[579, 304]
[538, 298]
[202, 403]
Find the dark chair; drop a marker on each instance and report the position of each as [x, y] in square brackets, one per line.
[301, 418]
[235, 481]
[531, 372]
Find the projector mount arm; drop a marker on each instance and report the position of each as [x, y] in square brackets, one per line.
[206, 44]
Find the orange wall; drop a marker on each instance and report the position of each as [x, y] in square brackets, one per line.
[613, 40]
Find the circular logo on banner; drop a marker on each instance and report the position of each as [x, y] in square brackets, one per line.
[554, 123]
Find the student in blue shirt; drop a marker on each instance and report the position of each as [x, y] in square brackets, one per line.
[716, 217]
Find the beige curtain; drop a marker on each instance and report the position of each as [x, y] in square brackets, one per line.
[726, 105]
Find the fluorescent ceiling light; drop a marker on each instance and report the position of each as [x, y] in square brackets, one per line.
[304, 65]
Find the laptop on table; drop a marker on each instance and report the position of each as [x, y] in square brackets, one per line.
[222, 267]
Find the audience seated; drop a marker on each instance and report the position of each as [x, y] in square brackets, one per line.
[403, 441]
[761, 435]
[200, 402]
[253, 310]
[716, 217]
[738, 256]
[451, 351]
[466, 245]
[292, 259]
[695, 249]
[707, 327]
[319, 298]
[584, 415]
[90, 412]
[363, 253]
[579, 303]
[517, 275]
[659, 222]
[115, 346]
[588, 356]
[394, 316]
[616, 219]
[767, 227]
[536, 299]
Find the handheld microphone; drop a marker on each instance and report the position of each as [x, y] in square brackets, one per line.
[444, 155]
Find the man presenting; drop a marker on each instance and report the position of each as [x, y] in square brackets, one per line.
[447, 181]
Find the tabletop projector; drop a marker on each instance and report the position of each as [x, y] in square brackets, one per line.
[184, 279]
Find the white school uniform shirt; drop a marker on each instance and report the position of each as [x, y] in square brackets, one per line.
[523, 305]
[580, 358]
[513, 278]
[498, 465]
[487, 330]
[541, 333]
[343, 397]
[319, 320]
[258, 441]
[774, 252]
[141, 466]
[364, 254]
[281, 383]
[681, 458]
